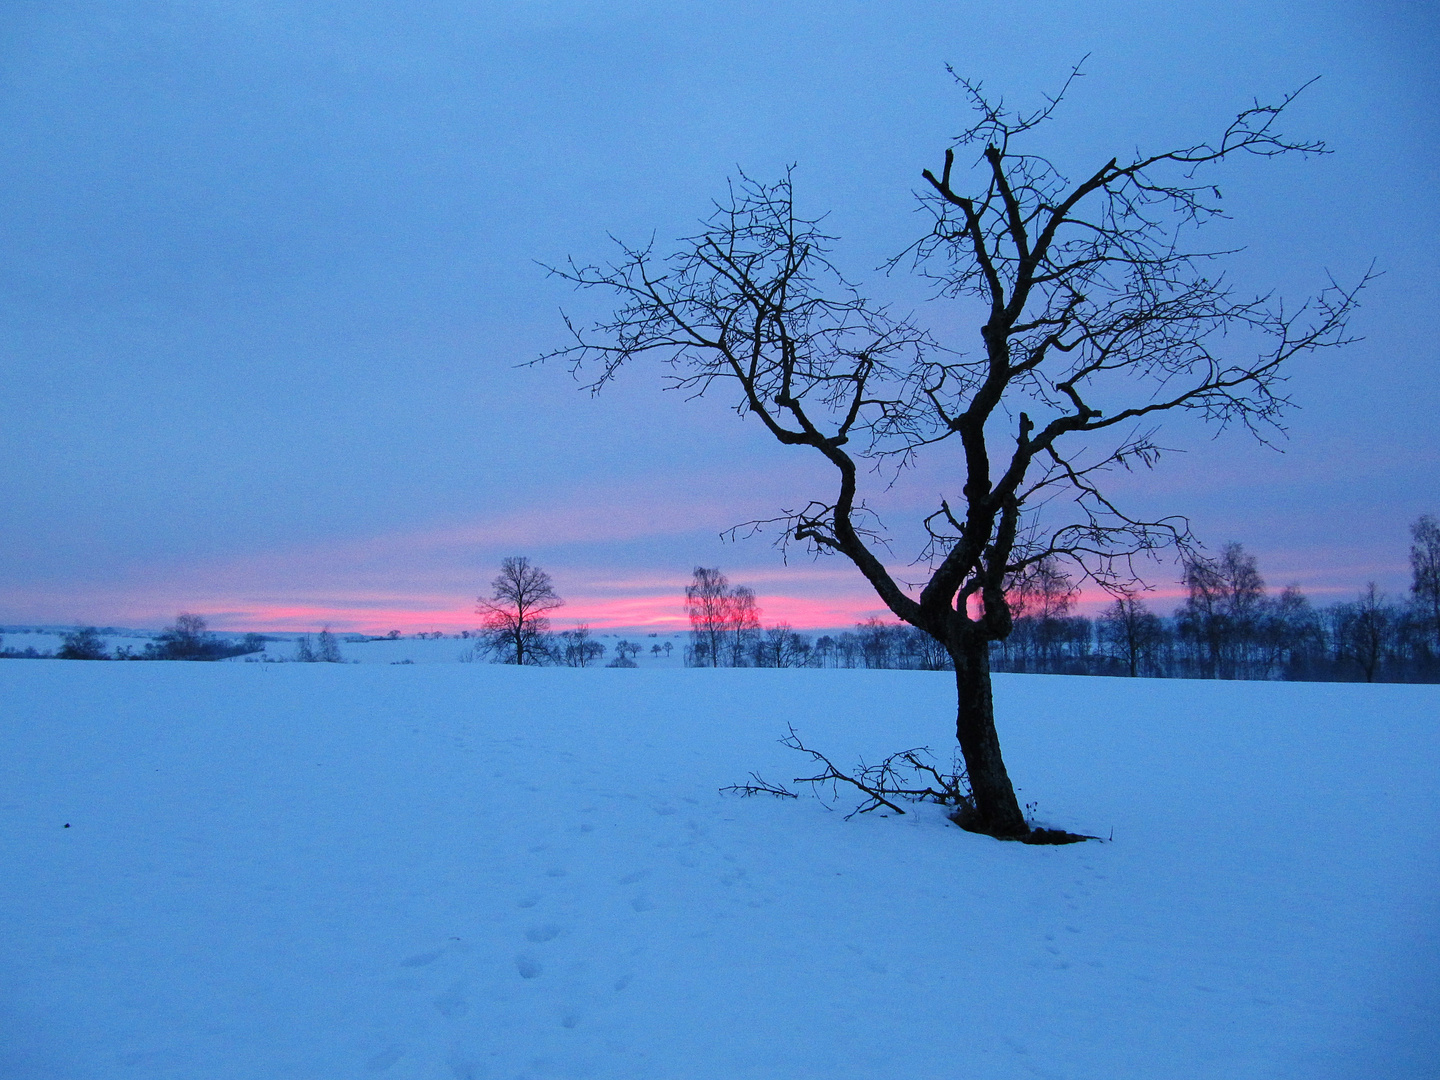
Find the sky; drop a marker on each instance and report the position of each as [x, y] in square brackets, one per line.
[271, 276]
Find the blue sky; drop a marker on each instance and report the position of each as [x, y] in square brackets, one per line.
[267, 272]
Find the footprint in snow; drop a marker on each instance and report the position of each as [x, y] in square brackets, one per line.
[631, 879]
[642, 903]
[421, 959]
[539, 934]
[528, 967]
[452, 1002]
[383, 1060]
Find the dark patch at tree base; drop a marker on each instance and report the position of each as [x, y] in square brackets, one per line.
[1054, 836]
[965, 818]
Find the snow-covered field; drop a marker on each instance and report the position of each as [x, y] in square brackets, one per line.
[404, 650]
[466, 871]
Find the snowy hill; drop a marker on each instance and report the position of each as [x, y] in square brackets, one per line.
[468, 871]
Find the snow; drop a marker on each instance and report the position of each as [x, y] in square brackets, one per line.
[375, 650]
[470, 871]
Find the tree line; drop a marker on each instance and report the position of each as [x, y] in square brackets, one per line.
[515, 627]
[188, 639]
[1229, 626]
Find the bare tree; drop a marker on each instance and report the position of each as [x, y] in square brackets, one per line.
[85, 643]
[578, 649]
[1223, 610]
[1133, 631]
[516, 629]
[705, 603]
[781, 647]
[1364, 630]
[1097, 314]
[724, 621]
[625, 653]
[1425, 571]
[742, 625]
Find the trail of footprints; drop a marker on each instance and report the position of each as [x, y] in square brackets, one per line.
[540, 937]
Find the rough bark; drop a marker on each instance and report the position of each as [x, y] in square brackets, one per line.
[997, 811]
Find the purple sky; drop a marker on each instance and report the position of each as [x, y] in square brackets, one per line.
[267, 270]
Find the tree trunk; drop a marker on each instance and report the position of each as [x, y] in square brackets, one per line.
[997, 812]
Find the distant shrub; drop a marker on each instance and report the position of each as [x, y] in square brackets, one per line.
[189, 639]
[83, 644]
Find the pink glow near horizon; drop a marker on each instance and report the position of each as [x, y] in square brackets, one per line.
[634, 601]
[663, 612]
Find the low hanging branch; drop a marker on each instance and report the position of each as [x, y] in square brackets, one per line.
[906, 776]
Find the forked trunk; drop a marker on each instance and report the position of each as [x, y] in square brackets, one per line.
[997, 812]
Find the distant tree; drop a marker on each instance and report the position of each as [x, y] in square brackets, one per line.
[742, 624]
[1365, 630]
[1291, 636]
[1039, 598]
[705, 598]
[323, 649]
[189, 639]
[780, 647]
[577, 649]
[82, 644]
[879, 642]
[923, 652]
[1133, 632]
[826, 654]
[327, 649]
[393, 635]
[668, 647]
[625, 653]
[517, 630]
[1224, 605]
[1425, 573]
[724, 621]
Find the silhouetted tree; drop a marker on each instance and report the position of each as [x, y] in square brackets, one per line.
[781, 647]
[879, 642]
[1291, 635]
[1223, 610]
[705, 598]
[516, 629]
[625, 653]
[578, 649]
[724, 621]
[322, 649]
[82, 644]
[1134, 634]
[742, 625]
[1425, 573]
[189, 639]
[1094, 319]
[826, 653]
[1364, 629]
